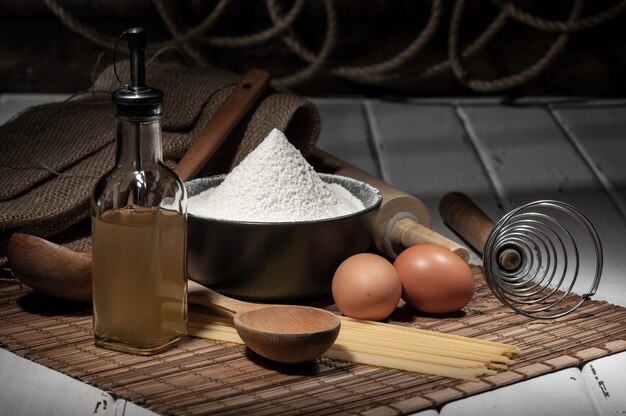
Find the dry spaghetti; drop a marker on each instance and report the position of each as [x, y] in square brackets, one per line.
[391, 346]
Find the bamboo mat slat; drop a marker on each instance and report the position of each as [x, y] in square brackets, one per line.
[201, 376]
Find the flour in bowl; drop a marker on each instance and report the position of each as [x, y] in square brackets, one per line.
[274, 183]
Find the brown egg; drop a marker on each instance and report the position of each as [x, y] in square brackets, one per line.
[366, 286]
[434, 279]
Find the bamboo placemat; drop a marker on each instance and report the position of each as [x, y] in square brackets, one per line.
[208, 377]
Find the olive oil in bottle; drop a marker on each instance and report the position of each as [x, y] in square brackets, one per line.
[140, 295]
[139, 228]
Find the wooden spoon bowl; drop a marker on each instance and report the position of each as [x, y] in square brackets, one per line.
[282, 333]
[50, 268]
[288, 334]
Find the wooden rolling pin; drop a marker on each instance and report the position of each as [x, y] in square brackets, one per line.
[465, 218]
[402, 220]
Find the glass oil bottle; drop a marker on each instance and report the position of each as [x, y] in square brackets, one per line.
[138, 212]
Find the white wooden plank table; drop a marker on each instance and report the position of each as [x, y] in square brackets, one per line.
[502, 156]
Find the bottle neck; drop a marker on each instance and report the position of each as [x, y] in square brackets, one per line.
[138, 142]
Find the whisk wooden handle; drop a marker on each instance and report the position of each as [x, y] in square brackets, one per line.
[473, 225]
[466, 219]
[401, 221]
[250, 87]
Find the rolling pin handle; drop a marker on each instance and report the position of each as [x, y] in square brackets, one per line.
[407, 233]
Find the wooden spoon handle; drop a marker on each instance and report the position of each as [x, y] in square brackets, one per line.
[202, 295]
[246, 93]
[401, 221]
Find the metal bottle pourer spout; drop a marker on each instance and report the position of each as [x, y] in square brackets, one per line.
[136, 103]
[137, 99]
[136, 37]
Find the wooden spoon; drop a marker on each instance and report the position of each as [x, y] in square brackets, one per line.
[282, 333]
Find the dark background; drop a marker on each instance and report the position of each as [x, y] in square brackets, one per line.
[39, 53]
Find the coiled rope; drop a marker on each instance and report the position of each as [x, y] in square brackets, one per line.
[385, 72]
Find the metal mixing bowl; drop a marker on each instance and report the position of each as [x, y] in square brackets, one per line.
[274, 261]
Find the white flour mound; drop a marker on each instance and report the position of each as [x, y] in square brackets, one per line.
[274, 183]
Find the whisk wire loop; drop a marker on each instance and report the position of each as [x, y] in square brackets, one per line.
[541, 286]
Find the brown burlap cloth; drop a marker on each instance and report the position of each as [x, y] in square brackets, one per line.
[52, 155]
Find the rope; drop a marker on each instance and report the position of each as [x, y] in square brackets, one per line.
[477, 45]
[318, 61]
[166, 12]
[403, 56]
[571, 25]
[177, 30]
[506, 82]
[389, 71]
[371, 71]
[79, 27]
[257, 38]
